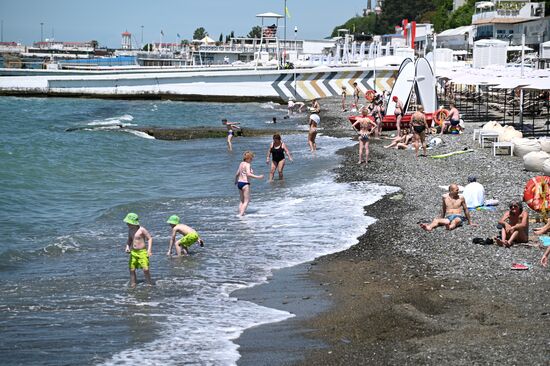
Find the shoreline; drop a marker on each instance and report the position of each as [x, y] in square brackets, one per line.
[402, 295]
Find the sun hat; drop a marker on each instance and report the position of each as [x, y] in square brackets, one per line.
[315, 118]
[174, 219]
[132, 219]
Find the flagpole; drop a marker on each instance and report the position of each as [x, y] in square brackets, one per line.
[284, 43]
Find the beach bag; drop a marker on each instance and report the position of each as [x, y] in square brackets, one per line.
[492, 126]
[544, 144]
[534, 161]
[523, 146]
[509, 133]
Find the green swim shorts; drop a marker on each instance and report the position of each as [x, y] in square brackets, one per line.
[188, 240]
[139, 259]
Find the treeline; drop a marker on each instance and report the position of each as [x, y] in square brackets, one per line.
[438, 12]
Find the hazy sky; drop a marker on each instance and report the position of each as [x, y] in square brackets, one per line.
[104, 20]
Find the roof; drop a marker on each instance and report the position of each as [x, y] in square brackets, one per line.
[269, 15]
[500, 21]
[456, 31]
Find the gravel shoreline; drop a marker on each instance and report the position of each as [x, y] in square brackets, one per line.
[402, 295]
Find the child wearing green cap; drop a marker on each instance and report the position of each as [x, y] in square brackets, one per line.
[135, 246]
[190, 236]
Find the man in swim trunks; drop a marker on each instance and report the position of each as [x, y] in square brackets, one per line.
[135, 246]
[419, 126]
[451, 217]
[190, 237]
[231, 128]
[453, 118]
[398, 112]
[515, 226]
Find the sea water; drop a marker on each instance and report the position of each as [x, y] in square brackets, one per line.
[63, 194]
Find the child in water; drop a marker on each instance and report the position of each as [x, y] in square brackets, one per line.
[231, 128]
[241, 180]
[135, 246]
[190, 237]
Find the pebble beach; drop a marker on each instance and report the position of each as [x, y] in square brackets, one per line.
[403, 295]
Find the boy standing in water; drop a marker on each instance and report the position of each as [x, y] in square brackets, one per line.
[190, 236]
[135, 246]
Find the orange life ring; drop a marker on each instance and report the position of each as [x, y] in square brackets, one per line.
[537, 193]
[369, 95]
[440, 116]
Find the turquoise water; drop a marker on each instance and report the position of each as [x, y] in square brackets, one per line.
[64, 275]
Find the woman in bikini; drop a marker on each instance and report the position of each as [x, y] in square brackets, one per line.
[277, 151]
[314, 121]
[398, 113]
[366, 126]
[241, 180]
[231, 128]
[420, 126]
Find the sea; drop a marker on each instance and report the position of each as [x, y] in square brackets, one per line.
[72, 169]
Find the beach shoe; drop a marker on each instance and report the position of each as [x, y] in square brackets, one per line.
[478, 241]
[519, 266]
[489, 241]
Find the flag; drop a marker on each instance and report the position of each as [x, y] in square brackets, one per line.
[161, 33]
[287, 12]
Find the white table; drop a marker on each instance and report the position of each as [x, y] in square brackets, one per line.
[503, 145]
[476, 133]
[487, 135]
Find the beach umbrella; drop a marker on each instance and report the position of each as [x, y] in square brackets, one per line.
[337, 56]
[362, 51]
[353, 51]
[537, 194]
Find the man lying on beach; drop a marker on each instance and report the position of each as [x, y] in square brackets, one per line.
[451, 218]
[401, 141]
[514, 226]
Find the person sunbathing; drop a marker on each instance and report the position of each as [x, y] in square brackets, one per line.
[401, 142]
[451, 218]
[514, 226]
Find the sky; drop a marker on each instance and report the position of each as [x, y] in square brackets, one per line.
[105, 20]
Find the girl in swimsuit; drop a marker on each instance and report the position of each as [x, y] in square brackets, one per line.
[277, 151]
[420, 126]
[398, 114]
[231, 127]
[241, 180]
[366, 126]
[314, 121]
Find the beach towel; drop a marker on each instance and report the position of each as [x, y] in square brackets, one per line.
[520, 266]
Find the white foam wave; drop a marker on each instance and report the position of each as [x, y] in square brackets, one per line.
[140, 134]
[112, 121]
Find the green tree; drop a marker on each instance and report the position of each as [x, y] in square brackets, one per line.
[358, 25]
[221, 38]
[148, 47]
[199, 33]
[255, 32]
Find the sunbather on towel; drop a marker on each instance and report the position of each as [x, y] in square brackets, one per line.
[451, 218]
[515, 226]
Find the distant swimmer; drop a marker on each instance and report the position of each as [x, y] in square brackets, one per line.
[231, 128]
[314, 121]
[241, 180]
[135, 246]
[189, 238]
[277, 151]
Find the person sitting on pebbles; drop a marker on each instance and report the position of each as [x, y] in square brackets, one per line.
[451, 218]
[514, 226]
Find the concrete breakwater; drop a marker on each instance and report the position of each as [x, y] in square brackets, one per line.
[230, 86]
[188, 133]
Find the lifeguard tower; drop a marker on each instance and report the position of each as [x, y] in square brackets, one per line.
[126, 40]
[269, 42]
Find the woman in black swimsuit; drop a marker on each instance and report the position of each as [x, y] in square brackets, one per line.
[420, 126]
[277, 151]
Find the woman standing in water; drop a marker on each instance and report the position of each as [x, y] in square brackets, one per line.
[277, 150]
[241, 180]
[365, 126]
[231, 128]
[314, 121]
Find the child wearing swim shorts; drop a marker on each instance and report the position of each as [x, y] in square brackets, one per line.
[190, 237]
[135, 246]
